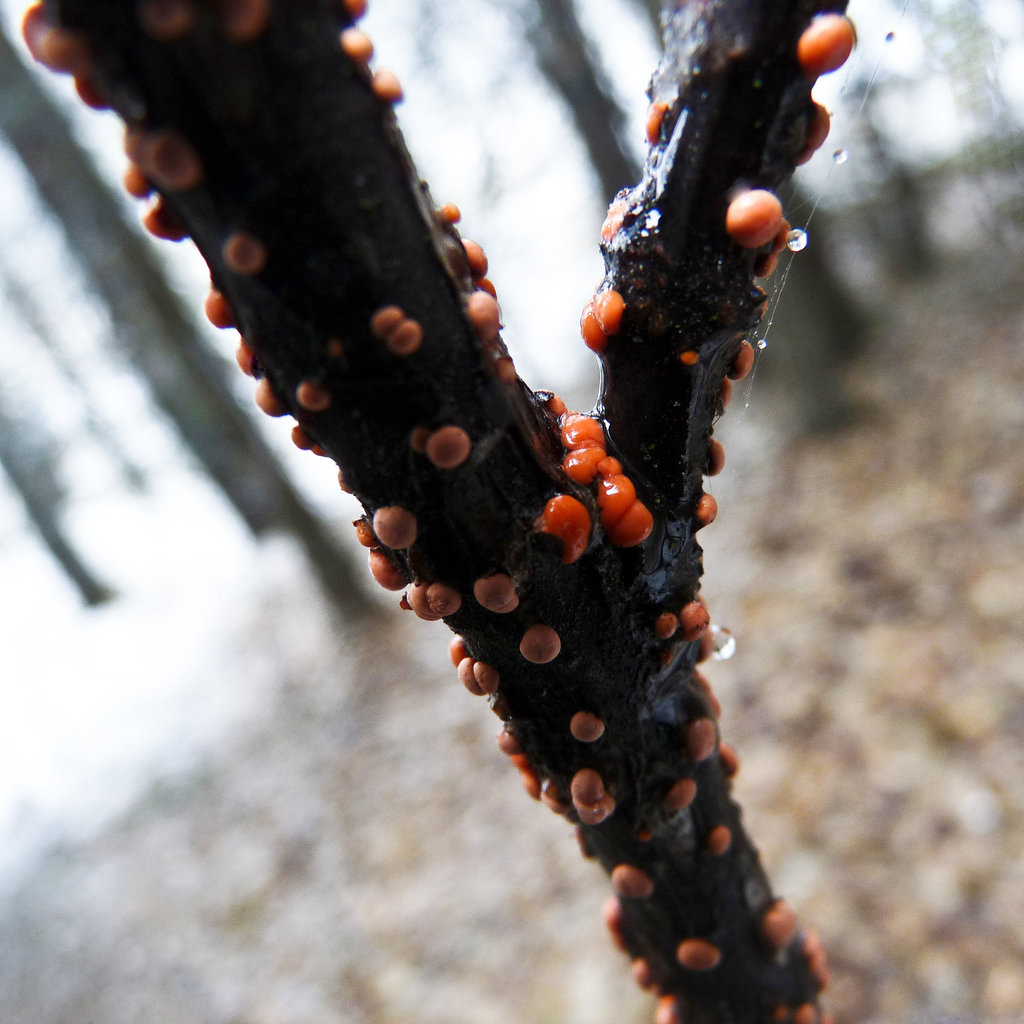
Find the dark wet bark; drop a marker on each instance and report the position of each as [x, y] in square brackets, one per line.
[299, 153]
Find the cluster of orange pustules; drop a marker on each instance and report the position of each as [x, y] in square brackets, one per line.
[625, 519]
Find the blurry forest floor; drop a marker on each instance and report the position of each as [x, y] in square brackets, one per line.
[363, 853]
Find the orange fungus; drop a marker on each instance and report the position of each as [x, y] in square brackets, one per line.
[753, 218]
[568, 519]
[825, 44]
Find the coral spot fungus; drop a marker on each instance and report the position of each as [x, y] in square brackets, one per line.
[753, 218]
[244, 253]
[567, 518]
[825, 44]
[395, 526]
[540, 644]
[586, 727]
[698, 954]
[630, 881]
[448, 447]
[166, 21]
[496, 593]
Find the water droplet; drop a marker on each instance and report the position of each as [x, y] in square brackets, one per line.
[723, 643]
[762, 344]
[890, 36]
[796, 240]
[840, 156]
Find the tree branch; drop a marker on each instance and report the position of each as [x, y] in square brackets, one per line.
[560, 548]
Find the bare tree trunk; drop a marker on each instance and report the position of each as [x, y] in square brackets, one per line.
[561, 548]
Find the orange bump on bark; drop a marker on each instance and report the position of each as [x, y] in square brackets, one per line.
[694, 619]
[729, 759]
[457, 650]
[451, 213]
[631, 881]
[615, 496]
[448, 447]
[243, 20]
[443, 600]
[698, 954]
[267, 400]
[364, 533]
[540, 644]
[608, 309]
[614, 218]
[689, 358]
[766, 265]
[355, 9]
[817, 132]
[385, 572]
[825, 44]
[609, 466]
[680, 796]
[655, 115]
[743, 363]
[587, 788]
[665, 625]
[555, 405]
[312, 396]
[356, 45]
[581, 465]
[585, 727]
[496, 593]
[707, 509]
[244, 253]
[805, 1014]
[484, 315]
[591, 331]
[487, 677]
[643, 974]
[166, 20]
[700, 739]
[218, 310]
[301, 439]
[386, 86]
[667, 1013]
[531, 783]
[595, 814]
[612, 914]
[582, 432]
[418, 438]
[245, 359]
[90, 94]
[162, 222]
[476, 258]
[508, 743]
[466, 676]
[779, 925]
[135, 182]
[716, 457]
[568, 519]
[385, 320]
[753, 218]
[725, 392]
[406, 338]
[395, 526]
[55, 47]
[633, 528]
[719, 840]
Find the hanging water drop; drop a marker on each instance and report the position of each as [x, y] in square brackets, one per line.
[840, 156]
[723, 643]
[796, 240]
[762, 344]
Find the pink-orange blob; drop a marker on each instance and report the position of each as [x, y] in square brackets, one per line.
[743, 363]
[395, 526]
[633, 528]
[631, 881]
[567, 518]
[753, 218]
[655, 115]
[591, 331]
[779, 925]
[496, 593]
[582, 432]
[312, 396]
[700, 739]
[448, 447]
[665, 625]
[476, 258]
[218, 310]
[719, 840]
[267, 400]
[484, 315]
[244, 253]
[385, 572]
[681, 794]
[694, 619]
[586, 727]
[540, 644]
[356, 45]
[698, 954]
[581, 464]
[825, 44]
[608, 309]
[386, 86]
[707, 509]
[385, 320]
[166, 20]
